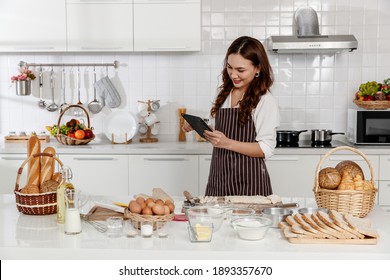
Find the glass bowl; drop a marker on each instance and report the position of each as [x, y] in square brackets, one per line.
[238, 212]
[251, 227]
[204, 214]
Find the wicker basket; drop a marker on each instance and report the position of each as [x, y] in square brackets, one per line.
[63, 139]
[373, 105]
[137, 218]
[35, 204]
[357, 203]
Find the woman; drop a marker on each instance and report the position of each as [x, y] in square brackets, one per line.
[246, 116]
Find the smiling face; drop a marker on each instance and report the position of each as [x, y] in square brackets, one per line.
[241, 71]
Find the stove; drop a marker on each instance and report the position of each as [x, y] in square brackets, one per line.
[310, 144]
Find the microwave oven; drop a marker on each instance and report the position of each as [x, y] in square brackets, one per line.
[368, 127]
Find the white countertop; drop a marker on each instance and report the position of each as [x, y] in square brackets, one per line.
[40, 237]
[169, 146]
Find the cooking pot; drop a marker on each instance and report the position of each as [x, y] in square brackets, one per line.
[322, 135]
[288, 136]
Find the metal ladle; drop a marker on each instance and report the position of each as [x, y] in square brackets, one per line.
[41, 102]
[64, 104]
[53, 106]
[94, 106]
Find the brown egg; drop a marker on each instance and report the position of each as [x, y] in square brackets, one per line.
[158, 209]
[168, 201]
[159, 201]
[134, 207]
[149, 200]
[150, 204]
[143, 205]
[167, 211]
[147, 211]
[140, 200]
[171, 206]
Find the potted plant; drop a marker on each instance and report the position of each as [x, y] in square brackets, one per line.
[23, 81]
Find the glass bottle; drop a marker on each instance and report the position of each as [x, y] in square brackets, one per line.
[65, 184]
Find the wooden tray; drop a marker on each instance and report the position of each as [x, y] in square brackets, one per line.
[23, 139]
[98, 213]
[366, 241]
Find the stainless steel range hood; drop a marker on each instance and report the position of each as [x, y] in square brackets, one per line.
[307, 37]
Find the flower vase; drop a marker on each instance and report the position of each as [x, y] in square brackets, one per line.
[23, 88]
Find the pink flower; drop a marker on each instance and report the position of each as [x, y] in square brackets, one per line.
[25, 74]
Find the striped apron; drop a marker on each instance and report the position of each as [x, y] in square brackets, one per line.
[233, 173]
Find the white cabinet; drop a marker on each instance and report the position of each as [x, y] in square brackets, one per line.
[105, 25]
[173, 173]
[204, 170]
[99, 174]
[9, 165]
[292, 175]
[37, 26]
[167, 25]
[384, 180]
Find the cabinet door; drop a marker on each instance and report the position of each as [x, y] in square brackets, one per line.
[384, 193]
[173, 173]
[204, 170]
[38, 26]
[100, 26]
[292, 175]
[167, 25]
[9, 165]
[99, 174]
[384, 169]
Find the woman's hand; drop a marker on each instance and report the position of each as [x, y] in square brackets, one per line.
[217, 139]
[186, 127]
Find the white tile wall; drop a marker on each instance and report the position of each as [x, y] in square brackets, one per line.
[314, 90]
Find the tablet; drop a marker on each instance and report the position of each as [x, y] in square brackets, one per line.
[197, 123]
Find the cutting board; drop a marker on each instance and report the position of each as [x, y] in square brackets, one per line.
[98, 213]
[367, 241]
[23, 139]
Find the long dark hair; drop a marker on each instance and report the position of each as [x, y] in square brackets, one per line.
[251, 49]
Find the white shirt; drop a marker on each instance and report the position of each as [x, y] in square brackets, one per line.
[266, 119]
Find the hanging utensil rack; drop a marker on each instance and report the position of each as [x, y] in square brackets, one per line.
[115, 64]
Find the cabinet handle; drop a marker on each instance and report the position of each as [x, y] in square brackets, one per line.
[101, 48]
[34, 48]
[168, 48]
[13, 158]
[283, 159]
[165, 159]
[77, 158]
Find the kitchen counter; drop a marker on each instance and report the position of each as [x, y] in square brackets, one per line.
[169, 146]
[39, 237]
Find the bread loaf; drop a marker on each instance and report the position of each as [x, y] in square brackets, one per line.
[47, 165]
[48, 186]
[329, 178]
[34, 165]
[350, 167]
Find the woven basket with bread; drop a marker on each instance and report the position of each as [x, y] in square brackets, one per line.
[344, 188]
[38, 196]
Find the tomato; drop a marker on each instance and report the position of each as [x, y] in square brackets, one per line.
[88, 133]
[368, 98]
[388, 97]
[71, 135]
[79, 134]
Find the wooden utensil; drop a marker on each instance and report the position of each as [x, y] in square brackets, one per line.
[182, 134]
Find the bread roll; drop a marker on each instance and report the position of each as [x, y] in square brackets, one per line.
[47, 165]
[347, 182]
[329, 178]
[34, 165]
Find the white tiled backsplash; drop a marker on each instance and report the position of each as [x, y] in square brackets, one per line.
[313, 90]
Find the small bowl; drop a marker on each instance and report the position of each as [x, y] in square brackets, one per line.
[312, 210]
[238, 212]
[276, 215]
[205, 214]
[251, 227]
[200, 232]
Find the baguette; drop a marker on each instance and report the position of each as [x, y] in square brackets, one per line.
[34, 165]
[47, 165]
